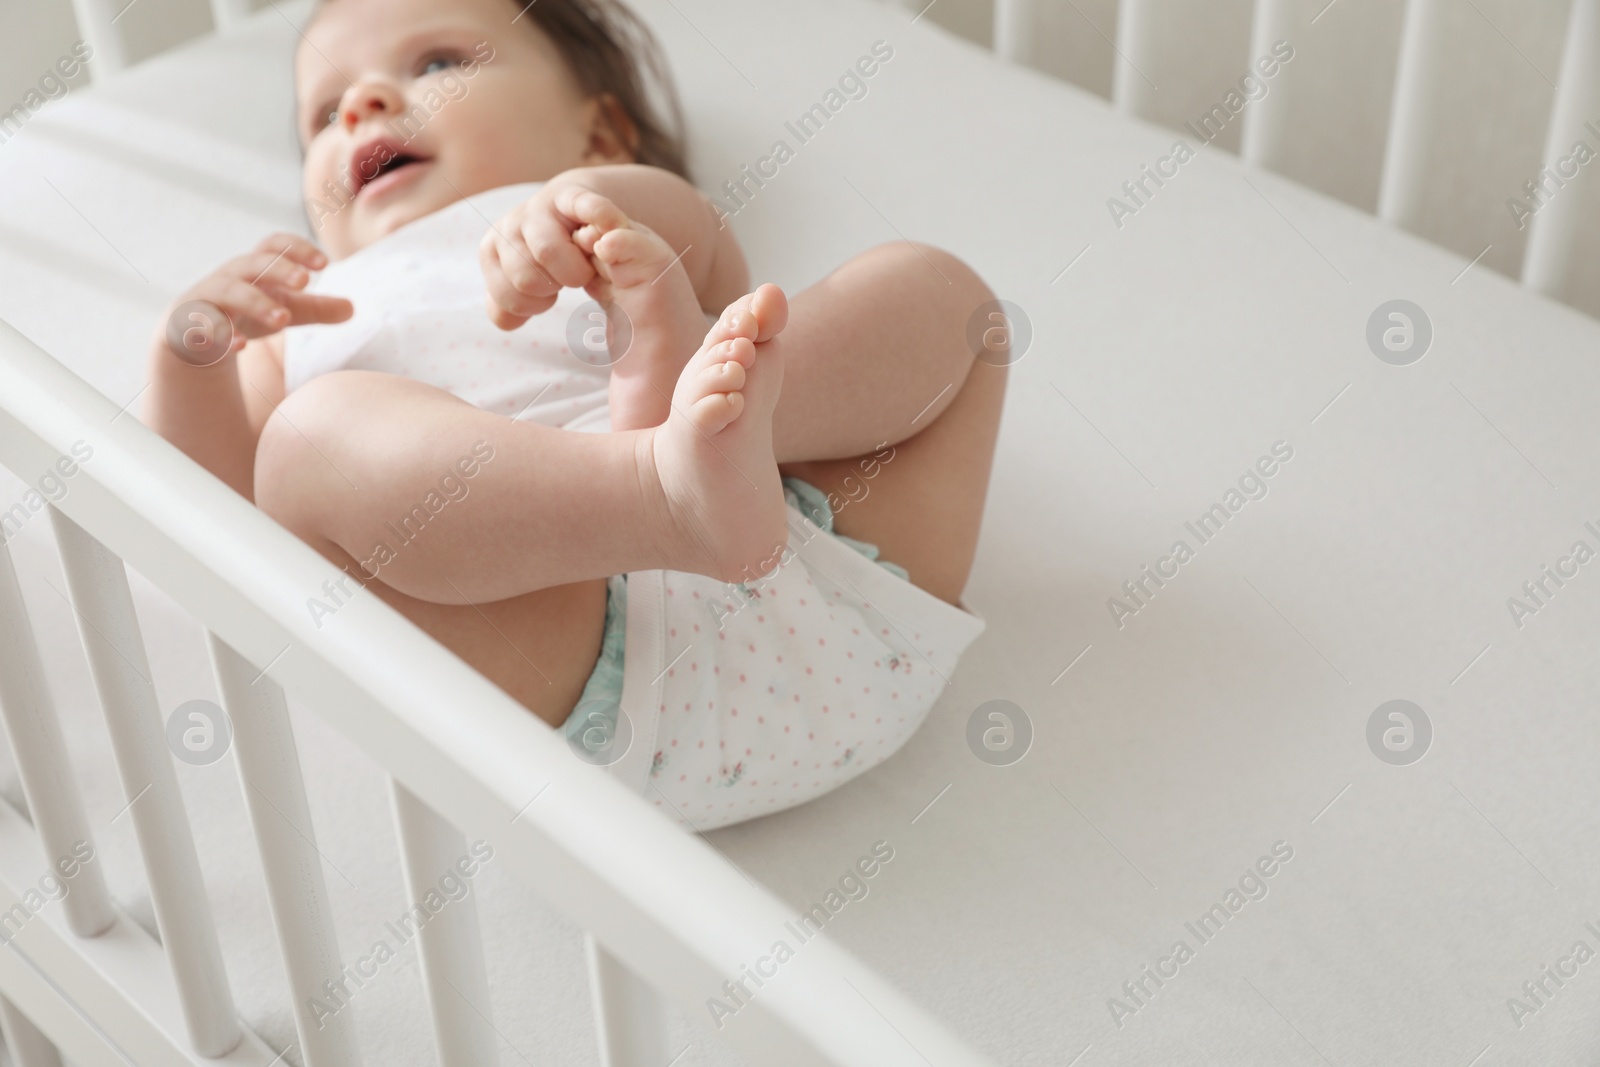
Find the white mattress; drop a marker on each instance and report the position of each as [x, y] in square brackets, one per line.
[1222, 718]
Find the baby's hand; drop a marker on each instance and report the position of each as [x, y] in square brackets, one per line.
[260, 293]
[529, 256]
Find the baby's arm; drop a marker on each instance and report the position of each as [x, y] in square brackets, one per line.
[529, 256]
[216, 363]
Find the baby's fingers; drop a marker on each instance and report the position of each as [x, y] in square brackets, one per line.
[582, 206]
[585, 237]
[306, 308]
[270, 271]
[252, 312]
[518, 288]
[295, 249]
[547, 238]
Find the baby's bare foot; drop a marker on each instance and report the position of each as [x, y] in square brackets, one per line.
[643, 278]
[713, 455]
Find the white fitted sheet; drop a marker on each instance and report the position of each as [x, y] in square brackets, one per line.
[1222, 317]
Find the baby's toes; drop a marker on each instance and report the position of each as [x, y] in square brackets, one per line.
[738, 350]
[721, 370]
[769, 306]
[725, 377]
[634, 257]
[736, 321]
[712, 414]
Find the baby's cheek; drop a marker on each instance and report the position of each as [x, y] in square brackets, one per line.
[479, 145]
[325, 188]
[317, 177]
[496, 141]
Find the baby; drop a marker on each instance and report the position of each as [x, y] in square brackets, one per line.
[727, 562]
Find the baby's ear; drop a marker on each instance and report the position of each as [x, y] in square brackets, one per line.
[613, 137]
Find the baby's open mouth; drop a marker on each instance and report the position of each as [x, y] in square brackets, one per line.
[381, 164]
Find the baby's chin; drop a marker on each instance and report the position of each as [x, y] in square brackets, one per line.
[369, 224]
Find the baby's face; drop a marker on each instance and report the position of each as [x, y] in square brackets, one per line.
[414, 104]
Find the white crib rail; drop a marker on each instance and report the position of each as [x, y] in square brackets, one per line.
[226, 14]
[454, 976]
[1564, 234]
[98, 585]
[103, 27]
[280, 814]
[1431, 113]
[28, 1047]
[632, 1027]
[661, 903]
[48, 784]
[97, 23]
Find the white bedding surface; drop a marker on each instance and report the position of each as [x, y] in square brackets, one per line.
[1227, 715]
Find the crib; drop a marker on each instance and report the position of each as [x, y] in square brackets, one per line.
[671, 922]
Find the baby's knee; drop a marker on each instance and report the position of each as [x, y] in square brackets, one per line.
[292, 452]
[935, 269]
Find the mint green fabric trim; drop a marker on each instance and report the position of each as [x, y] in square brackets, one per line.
[602, 693]
[812, 502]
[605, 681]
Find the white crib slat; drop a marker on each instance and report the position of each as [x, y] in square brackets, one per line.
[48, 783]
[664, 902]
[1266, 120]
[275, 792]
[1072, 41]
[628, 1013]
[1321, 117]
[114, 645]
[1555, 237]
[1472, 103]
[1130, 91]
[226, 14]
[1015, 26]
[99, 24]
[1416, 87]
[1175, 62]
[450, 944]
[28, 1047]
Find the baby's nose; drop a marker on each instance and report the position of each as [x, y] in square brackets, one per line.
[366, 99]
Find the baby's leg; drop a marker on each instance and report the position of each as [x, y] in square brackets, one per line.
[875, 351]
[539, 647]
[888, 326]
[878, 352]
[453, 505]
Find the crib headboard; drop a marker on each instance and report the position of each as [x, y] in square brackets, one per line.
[1463, 121]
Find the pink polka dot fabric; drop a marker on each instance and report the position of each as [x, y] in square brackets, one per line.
[420, 312]
[774, 693]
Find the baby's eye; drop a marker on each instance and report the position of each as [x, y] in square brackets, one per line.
[438, 63]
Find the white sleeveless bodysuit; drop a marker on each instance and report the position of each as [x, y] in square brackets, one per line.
[420, 312]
